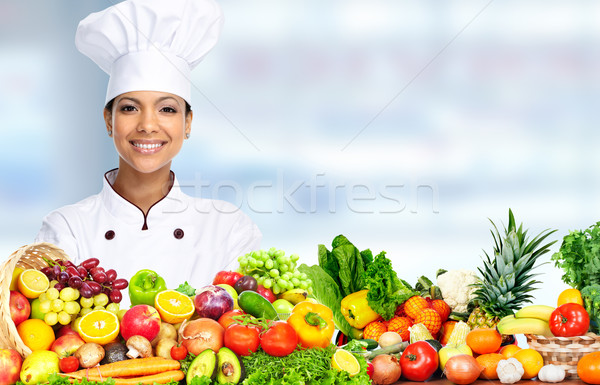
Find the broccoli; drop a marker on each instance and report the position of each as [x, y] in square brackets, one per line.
[591, 301]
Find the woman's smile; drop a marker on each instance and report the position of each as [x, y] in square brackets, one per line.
[148, 146]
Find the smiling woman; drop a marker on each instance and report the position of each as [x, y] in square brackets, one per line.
[141, 219]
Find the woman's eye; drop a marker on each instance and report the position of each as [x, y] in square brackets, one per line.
[128, 108]
[168, 109]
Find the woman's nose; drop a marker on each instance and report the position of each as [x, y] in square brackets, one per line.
[148, 122]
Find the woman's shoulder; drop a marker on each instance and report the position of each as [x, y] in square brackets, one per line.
[83, 207]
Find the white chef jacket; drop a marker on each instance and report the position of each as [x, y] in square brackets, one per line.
[182, 238]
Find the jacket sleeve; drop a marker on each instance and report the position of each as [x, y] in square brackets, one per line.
[56, 230]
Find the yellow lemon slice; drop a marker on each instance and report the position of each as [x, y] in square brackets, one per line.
[173, 306]
[31, 283]
[344, 360]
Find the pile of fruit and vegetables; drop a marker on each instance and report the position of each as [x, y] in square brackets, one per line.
[348, 319]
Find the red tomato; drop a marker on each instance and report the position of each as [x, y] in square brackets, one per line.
[178, 352]
[588, 368]
[569, 320]
[242, 339]
[227, 318]
[418, 361]
[279, 340]
[68, 364]
[227, 277]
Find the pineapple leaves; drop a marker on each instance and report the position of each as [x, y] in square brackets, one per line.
[507, 278]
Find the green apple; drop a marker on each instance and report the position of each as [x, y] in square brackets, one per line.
[283, 306]
[35, 310]
[232, 293]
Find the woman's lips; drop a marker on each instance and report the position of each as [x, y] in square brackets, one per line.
[147, 147]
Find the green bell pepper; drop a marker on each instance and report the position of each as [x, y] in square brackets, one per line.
[144, 286]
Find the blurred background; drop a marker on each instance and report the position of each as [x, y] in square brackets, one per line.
[403, 125]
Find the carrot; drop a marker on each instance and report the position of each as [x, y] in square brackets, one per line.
[127, 368]
[158, 378]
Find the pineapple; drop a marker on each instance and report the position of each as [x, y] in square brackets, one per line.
[506, 279]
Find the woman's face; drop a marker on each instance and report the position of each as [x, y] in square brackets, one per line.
[148, 128]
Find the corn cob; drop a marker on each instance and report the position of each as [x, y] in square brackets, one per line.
[459, 334]
[418, 332]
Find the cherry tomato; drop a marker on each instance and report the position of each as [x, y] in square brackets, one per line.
[178, 352]
[370, 370]
[279, 340]
[227, 277]
[68, 364]
[242, 339]
[418, 361]
[588, 368]
[569, 320]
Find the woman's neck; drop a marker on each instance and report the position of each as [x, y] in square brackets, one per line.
[142, 189]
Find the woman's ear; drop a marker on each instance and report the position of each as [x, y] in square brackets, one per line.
[108, 121]
[188, 123]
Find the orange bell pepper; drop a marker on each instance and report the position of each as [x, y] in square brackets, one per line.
[313, 323]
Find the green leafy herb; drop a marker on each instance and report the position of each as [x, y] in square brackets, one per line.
[327, 292]
[386, 290]
[345, 264]
[302, 366]
[356, 346]
[186, 362]
[579, 257]
[201, 380]
[56, 379]
[186, 289]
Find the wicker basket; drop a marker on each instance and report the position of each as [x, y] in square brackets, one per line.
[27, 257]
[564, 351]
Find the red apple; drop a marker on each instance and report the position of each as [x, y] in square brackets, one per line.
[19, 307]
[66, 345]
[142, 320]
[64, 330]
[10, 366]
[267, 293]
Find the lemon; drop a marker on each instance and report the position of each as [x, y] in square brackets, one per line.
[344, 360]
[32, 283]
[15, 278]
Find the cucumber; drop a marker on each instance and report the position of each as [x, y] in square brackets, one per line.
[253, 303]
[205, 364]
[371, 344]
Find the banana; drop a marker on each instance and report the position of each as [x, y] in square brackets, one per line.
[294, 296]
[504, 320]
[525, 326]
[542, 312]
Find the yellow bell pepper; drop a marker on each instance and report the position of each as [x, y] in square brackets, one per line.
[356, 310]
[313, 323]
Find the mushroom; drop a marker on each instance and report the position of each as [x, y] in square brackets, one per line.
[89, 354]
[138, 347]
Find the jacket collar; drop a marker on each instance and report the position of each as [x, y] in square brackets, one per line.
[125, 211]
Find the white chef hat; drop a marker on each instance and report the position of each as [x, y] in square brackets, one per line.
[150, 45]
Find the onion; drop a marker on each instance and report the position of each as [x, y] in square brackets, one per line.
[386, 370]
[201, 334]
[462, 369]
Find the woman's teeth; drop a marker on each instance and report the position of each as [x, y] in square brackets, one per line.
[147, 146]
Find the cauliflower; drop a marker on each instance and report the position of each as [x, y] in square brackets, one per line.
[456, 289]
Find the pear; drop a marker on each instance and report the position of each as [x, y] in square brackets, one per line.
[38, 366]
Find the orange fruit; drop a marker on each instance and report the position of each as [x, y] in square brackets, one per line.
[509, 350]
[32, 283]
[569, 296]
[99, 326]
[36, 334]
[483, 340]
[415, 305]
[173, 306]
[531, 360]
[15, 278]
[374, 330]
[489, 363]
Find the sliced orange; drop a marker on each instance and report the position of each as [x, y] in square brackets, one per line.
[344, 360]
[36, 335]
[173, 306]
[99, 326]
[32, 283]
